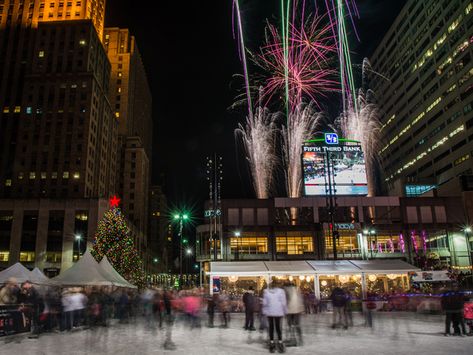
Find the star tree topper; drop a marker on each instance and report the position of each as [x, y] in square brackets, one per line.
[114, 201]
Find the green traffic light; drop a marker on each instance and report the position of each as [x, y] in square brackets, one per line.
[185, 216]
[176, 216]
[184, 241]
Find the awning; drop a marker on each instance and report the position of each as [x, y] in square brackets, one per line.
[310, 267]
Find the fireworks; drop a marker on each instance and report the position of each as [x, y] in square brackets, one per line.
[298, 62]
[302, 124]
[259, 137]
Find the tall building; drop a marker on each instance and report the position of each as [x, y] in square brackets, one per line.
[59, 135]
[130, 98]
[428, 103]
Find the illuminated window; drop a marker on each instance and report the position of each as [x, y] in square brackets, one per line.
[4, 255]
[20, 176]
[249, 245]
[27, 256]
[347, 242]
[120, 74]
[65, 175]
[82, 42]
[53, 256]
[8, 182]
[32, 175]
[82, 216]
[6, 110]
[461, 159]
[294, 245]
[54, 175]
[117, 114]
[43, 175]
[41, 54]
[76, 175]
[28, 110]
[119, 89]
[17, 109]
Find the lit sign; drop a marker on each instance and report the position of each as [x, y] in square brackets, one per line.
[331, 138]
[212, 213]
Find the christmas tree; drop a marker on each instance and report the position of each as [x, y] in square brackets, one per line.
[113, 239]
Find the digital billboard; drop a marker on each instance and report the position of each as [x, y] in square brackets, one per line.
[346, 162]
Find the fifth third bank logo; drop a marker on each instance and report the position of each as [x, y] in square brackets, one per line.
[331, 138]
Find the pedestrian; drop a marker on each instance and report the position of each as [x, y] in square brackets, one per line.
[249, 300]
[9, 292]
[275, 308]
[339, 301]
[452, 303]
[32, 306]
[224, 307]
[167, 303]
[295, 306]
[468, 315]
[212, 302]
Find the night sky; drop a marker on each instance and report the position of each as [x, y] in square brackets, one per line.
[191, 58]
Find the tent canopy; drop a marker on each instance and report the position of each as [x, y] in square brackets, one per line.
[113, 274]
[309, 267]
[17, 271]
[85, 272]
[37, 277]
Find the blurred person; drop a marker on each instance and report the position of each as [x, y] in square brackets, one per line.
[32, 305]
[147, 302]
[9, 292]
[122, 307]
[275, 308]
[167, 302]
[78, 302]
[349, 309]
[158, 308]
[339, 301]
[212, 302]
[95, 307]
[191, 303]
[249, 300]
[468, 315]
[452, 303]
[295, 306]
[224, 307]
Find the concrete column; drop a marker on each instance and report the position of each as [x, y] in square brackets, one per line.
[41, 237]
[68, 238]
[317, 286]
[211, 285]
[15, 236]
[363, 286]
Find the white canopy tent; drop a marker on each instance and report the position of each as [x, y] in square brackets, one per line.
[85, 272]
[16, 271]
[113, 274]
[37, 277]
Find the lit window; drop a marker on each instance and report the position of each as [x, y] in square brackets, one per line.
[6, 110]
[17, 109]
[4, 255]
[32, 175]
[8, 182]
[74, 86]
[29, 110]
[76, 175]
[120, 74]
[82, 42]
[20, 176]
[65, 175]
[119, 89]
[43, 175]
[41, 54]
[54, 175]
[117, 114]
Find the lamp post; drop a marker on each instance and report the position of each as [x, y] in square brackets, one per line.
[467, 230]
[181, 217]
[237, 251]
[78, 237]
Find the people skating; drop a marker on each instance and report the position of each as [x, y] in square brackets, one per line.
[295, 306]
[452, 304]
[468, 315]
[32, 305]
[275, 308]
[9, 292]
[339, 301]
[212, 302]
[224, 307]
[167, 302]
[249, 300]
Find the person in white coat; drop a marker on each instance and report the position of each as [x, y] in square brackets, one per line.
[275, 308]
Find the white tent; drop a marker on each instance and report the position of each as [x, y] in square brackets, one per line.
[113, 274]
[17, 271]
[37, 277]
[85, 272]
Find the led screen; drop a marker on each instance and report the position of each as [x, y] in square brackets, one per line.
[347, 164]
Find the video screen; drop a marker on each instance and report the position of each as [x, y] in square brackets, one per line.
[348, 165]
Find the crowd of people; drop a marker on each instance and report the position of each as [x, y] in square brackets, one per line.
[53, 309]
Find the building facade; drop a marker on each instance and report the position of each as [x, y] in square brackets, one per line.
[159, 236]
[428, 232]
[428, 103]
[130, 98]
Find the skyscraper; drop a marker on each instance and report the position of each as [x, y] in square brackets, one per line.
[428, 103]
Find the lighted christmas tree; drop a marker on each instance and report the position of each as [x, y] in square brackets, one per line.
[113, 239]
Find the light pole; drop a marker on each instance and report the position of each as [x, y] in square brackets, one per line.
[237, 251]
[78, 237]
[467, 230]
[181, 217]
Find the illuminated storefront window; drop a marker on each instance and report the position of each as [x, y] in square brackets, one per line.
[249, 245]
[347, 242]
[294, 245]
[4, 255]
[27, 256]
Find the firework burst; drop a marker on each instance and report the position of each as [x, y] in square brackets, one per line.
[258, 137]
[298, 67]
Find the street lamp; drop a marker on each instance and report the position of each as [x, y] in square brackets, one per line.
[181, 217]
[78, 237]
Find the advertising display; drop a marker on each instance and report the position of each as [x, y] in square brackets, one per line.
[340, 168]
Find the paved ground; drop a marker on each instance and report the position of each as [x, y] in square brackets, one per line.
[396, 333]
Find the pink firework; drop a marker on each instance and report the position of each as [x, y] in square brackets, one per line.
[302, 65]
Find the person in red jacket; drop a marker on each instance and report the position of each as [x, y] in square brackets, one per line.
[468, 315]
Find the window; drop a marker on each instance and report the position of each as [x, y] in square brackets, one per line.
[294, 245]
[65, 175]
[249, 245]
[41, 54]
